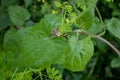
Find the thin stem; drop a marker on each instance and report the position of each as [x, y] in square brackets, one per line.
[62, 15]
[36, 77]
[40, 75]
[92, 69]
[101, 20]
[14, 73]
[107, 42]
[77, 11]
[102, 39]
[99, 15]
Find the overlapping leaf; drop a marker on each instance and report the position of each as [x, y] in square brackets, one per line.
[78, 54]
[53, 20]
[84, 20]
[113, 27]
[18, 15]
[38, 48]
[96, 28]
[115, 63]
[12, 46]
[4, 21]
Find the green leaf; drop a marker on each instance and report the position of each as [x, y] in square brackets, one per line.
[116, 12]
[5, 3]
[13, 38]
[18, 15]
[113, 27]
[96, 27]
[10, 40]
[2, 65]
[4, 21]
[115, 63]
[58, 4]
[39, 49]
[109, 0]
[45, 8]
[65, 28]
[2, 57]
[12, 45]
[34, 46]
[2, 73]
[10, 60]
[78, 54]
[27, 2]
[84, 20]
[23, 76]
[53, 20]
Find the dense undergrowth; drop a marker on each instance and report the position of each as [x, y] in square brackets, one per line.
[59, 39]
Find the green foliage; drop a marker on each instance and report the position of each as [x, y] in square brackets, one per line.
[27, 2]
[35, 49]
[6, 3]
[22, 76]
[110, 0]
[53, 74]
[52, 40]
[2, 66]
[58, 4]
[77, 55]
[53, 20]
[10, 36]
[18, 15]
[115, 63]
[4, 21]
[65, 28]
[113, 27]
[33, 52]
[84, 20]
[96, 27]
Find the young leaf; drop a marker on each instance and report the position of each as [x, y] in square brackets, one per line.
[13, 38]
[58, 4]
[113, 27]
[53, 20]
[5, 3]
[27, 2]
[12, 45]
[78, 54]
[18, 15]
[4, 21]
[96, 28]
[115, 63]
[84, 20]
[10, 40]
[65, 28]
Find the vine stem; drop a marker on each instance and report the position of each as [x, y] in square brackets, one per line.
[101, 20]
[99, 15]
[107, 42]
[100, 38]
